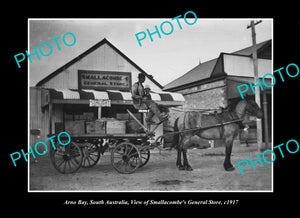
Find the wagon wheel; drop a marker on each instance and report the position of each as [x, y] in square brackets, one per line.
[91, 155]
[145, 156]
[125, 157]
[66, 159]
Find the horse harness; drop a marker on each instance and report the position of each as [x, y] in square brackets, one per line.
[221, 123]
[219, 119]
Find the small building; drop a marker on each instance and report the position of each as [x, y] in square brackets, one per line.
[94, 85]
[213, 84]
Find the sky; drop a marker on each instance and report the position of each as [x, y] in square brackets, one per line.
[166, 58]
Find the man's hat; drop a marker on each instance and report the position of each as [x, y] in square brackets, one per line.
[141, 75]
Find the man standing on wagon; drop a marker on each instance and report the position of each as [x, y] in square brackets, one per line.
[141, 101]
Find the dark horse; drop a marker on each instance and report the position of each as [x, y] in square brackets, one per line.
[194, 119]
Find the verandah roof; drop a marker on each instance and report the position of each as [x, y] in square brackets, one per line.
[116, 97]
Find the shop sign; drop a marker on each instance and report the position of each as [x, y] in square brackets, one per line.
[104, 80]
[100, 103]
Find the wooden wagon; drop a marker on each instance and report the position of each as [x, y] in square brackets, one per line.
[128, 151]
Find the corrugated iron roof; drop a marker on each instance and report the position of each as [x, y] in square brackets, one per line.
[248, 51]
[104, 41]
[200, 72]
[204, 70]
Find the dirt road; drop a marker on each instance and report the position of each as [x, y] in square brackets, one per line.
[159, 174]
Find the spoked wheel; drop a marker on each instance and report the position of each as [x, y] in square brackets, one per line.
[125, 157]
[66, 159]
[145, 156]
[91, 155]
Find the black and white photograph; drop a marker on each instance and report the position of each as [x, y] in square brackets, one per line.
[146, 105]
[112, 108]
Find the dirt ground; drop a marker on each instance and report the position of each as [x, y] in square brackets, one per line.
[159, 174]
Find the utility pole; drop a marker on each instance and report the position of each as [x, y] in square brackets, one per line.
[257, 88]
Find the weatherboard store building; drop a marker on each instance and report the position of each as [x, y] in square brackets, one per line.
[95, 85]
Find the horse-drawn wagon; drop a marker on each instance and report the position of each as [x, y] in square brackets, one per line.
[66, 109]
[128, 151]
[132, 151]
